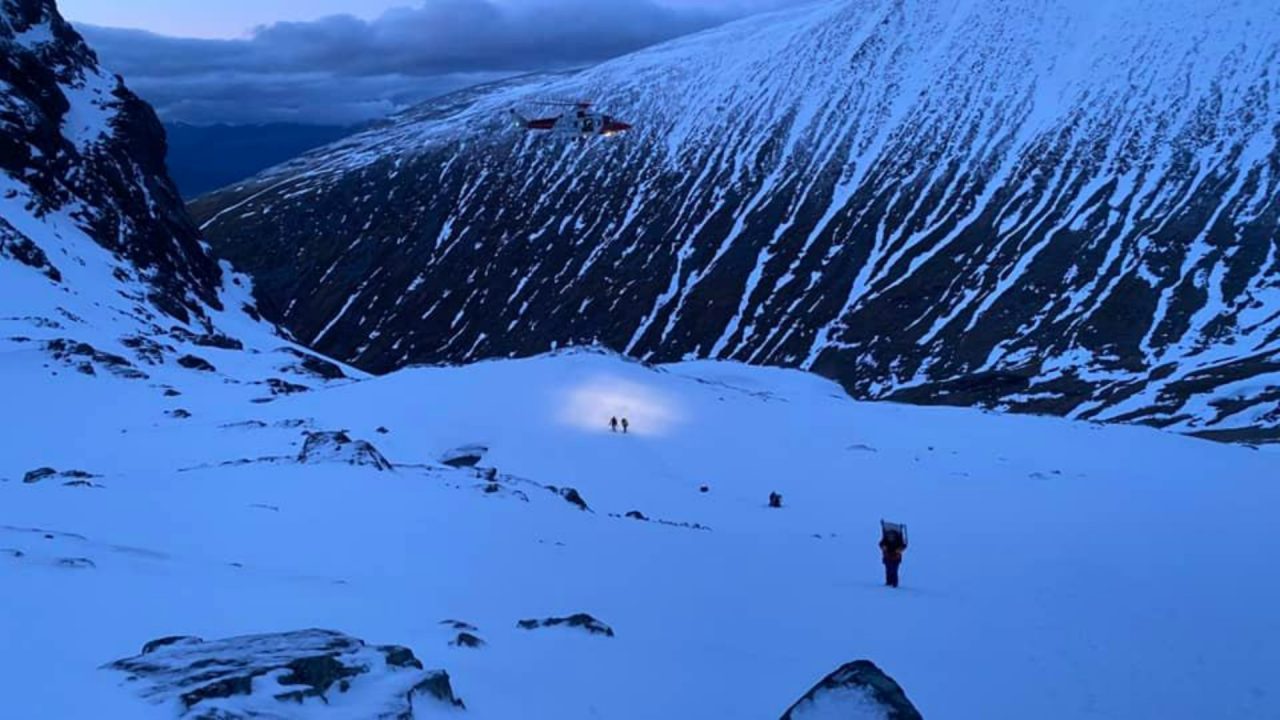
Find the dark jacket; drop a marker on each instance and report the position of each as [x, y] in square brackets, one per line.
[891, 549]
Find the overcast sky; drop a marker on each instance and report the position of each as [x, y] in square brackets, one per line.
[347, 61]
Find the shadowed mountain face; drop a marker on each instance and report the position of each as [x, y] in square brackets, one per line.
[76, 143]
[101, 268]
[1067, 209]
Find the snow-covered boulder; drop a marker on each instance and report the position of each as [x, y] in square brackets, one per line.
[465, 456]
[331, 447]
[270, 676]
[857, 691]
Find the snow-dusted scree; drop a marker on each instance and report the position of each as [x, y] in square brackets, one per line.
[1064, 207]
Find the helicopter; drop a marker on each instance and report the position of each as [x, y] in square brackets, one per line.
[580, 122]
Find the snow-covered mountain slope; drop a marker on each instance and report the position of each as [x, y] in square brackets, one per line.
[1056, 569]
[1055, 207]
[101, 269]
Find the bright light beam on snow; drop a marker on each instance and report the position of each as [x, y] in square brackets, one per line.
[590, 405]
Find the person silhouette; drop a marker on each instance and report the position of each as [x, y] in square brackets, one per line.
[892, 545]
[625, 425]
[613, 423]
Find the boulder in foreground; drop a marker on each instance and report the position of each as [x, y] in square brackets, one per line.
[276, 675]
[857, 691]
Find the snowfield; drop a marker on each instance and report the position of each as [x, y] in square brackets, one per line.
[1056, 569]
[173, 468]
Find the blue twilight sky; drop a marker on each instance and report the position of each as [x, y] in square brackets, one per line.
[349, 61]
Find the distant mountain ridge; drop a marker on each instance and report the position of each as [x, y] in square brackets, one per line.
[1062, 208]
[208, 157]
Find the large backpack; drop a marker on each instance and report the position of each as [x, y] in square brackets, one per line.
[887, 529]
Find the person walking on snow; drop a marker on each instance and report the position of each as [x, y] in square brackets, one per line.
[613, 423]
[625, 425]
[892, 545]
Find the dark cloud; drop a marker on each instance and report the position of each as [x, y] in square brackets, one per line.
[343, 69]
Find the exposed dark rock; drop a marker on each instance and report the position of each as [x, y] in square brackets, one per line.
[83, 357]
[467, 640]
[179, 414]
[437, 685]
[147, 349]
[572, 496]
[400, 656]
[35, 476]
[327, 447]
[77, 563]
[244, 424]
[217, 679]
[282, 387]
[209, 339]
[15, 245]
[459, 625]
[857, 685]
[637, 515]
[191, 362]
[166, 641]
[382, 431]
[579, 620]
[465, 456]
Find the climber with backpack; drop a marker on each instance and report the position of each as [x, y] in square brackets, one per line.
[893, 542]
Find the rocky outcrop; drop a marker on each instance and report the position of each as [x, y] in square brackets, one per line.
[464, 457]
[267, 676]
[571, 496]
[581, 621]
[338, 447]
[48, 473]
[86, 359]
[857, 691]
[194, 362]
[465, 639]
